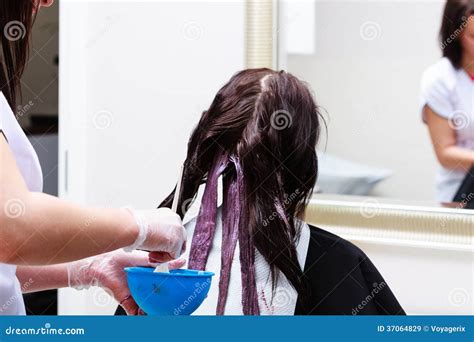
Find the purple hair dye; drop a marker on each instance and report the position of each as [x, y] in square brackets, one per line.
[234, 228]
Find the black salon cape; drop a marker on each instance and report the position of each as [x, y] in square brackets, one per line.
[343, 280]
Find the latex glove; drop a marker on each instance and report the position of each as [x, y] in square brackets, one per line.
[107, 271]
[161, 231]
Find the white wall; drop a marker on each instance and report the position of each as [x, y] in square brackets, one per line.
[370, 88]
[135, 78]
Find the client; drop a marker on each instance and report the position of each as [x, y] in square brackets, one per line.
[259, 138]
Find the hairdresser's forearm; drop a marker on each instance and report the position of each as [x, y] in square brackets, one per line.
[456, 158]
[42, 278]
[51, 231]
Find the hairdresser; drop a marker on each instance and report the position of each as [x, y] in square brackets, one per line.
[46, 243]
[447, 94]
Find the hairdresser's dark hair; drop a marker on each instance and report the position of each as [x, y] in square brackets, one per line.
[455, 17]
[16, 21]
[269, 121]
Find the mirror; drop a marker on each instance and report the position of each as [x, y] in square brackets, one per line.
[365, 61]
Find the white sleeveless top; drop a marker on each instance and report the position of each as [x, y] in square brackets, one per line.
[281, 303]
[11, 300]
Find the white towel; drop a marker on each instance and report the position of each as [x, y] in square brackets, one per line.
[285, 297]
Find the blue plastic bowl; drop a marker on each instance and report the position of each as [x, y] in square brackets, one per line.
[179, 292]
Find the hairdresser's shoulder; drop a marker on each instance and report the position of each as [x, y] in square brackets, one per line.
[441, 74]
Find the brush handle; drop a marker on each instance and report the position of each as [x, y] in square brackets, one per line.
[174, 206]
[163, 267]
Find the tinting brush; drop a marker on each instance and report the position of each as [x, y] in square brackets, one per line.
[163, 267]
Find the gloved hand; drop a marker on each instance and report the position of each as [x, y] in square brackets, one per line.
[161, 230]
[107, 271]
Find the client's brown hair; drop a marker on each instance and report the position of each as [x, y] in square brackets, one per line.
[260, 134]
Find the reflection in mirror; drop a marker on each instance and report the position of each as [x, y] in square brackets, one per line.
[400, 115]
